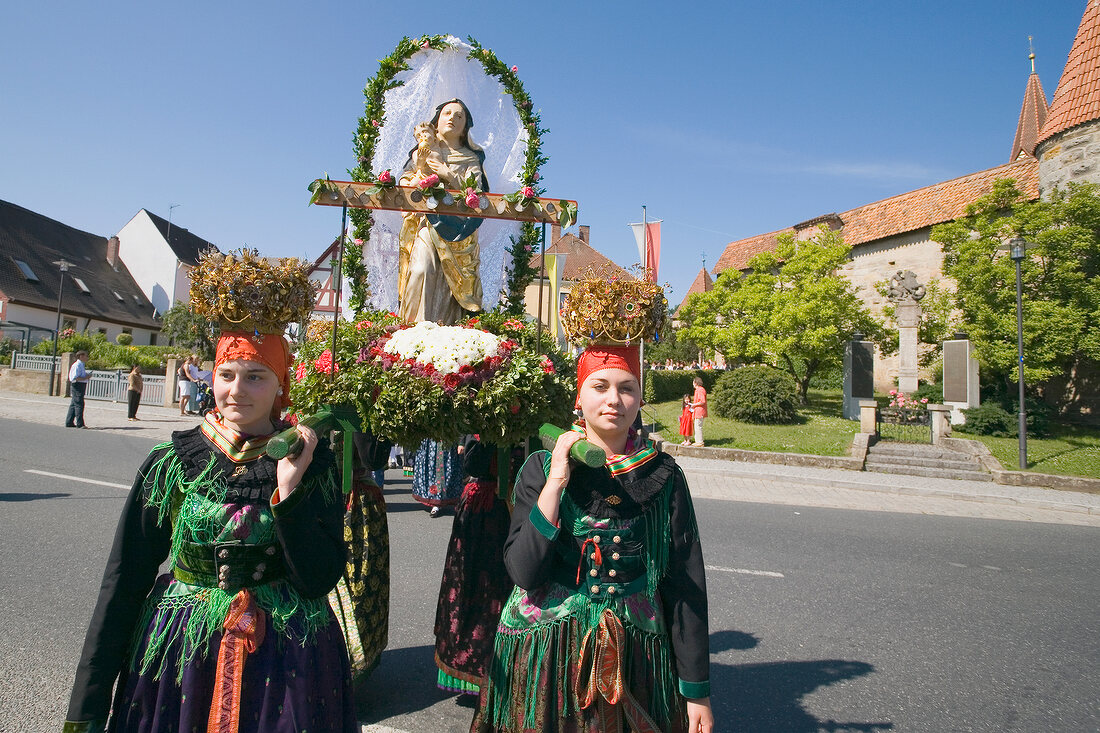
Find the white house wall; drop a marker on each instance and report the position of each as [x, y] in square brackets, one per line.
[47, 319]
[152, 262]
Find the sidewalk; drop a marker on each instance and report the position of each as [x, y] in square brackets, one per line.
[709, 479]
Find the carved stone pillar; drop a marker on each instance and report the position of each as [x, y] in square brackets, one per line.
[908, 317]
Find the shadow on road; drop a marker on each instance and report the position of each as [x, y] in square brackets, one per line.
[765, 698]
[411, 670]
[31, 497]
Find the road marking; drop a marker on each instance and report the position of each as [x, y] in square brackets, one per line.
[743, 571]
[77, 478]
[381, 729]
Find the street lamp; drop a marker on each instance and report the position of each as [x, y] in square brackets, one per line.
[64, 267]
[1016, 250]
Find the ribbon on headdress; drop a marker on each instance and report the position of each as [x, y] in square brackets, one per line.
[269, 349]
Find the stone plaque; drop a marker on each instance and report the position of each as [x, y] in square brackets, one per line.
[956, 355]
[863, 370]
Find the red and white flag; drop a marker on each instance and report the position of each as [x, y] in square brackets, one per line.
[649, 246]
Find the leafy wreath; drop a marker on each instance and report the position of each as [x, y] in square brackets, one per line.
[521, 272]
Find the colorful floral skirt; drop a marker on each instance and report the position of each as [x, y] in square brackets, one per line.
[361, 600]
[474, 588]
[540, 671]
[286, 686]
[438, 476]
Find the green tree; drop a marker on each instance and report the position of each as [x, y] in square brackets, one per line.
[791, 311]
[1060, 274]
[673, 345]
[190, 331]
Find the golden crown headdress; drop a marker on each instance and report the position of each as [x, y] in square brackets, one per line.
[245, 292]
[613, 308]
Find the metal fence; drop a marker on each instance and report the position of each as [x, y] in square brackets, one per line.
[34, 362]
[112, 387]
[904, 424]
[104, 385]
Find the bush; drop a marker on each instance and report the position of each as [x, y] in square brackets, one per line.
[932, 392]
[989, 418]
[124, 339]
[664, 385]
[756, 394]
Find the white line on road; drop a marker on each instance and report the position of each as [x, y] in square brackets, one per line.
[743, 571]
[77, 478]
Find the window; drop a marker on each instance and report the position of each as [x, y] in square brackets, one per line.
[120, 298]
[28, 273]
[128, 330]
[152, 338]
[80, 284]
[102, 331]
[137, 300]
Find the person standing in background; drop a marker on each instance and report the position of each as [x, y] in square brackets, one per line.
[183, 379]
[133, 393]
[699, 409]
[78, 381]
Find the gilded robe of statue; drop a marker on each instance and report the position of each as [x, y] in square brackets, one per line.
[438, 266]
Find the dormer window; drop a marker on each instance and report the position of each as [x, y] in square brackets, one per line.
[28, 273]
[80, 284]
[120, 298]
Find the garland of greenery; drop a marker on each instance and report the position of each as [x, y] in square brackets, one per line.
[366, 135]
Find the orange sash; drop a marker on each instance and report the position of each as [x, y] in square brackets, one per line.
[600, 678]
[245, 625]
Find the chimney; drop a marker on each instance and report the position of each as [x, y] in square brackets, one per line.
[555, 233]
[112, 252]
[584, 233]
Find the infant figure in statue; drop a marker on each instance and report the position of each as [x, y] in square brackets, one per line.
[427, 148]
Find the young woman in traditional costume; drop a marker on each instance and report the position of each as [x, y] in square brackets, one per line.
[238, 635]
[607, 627]
[475, 583]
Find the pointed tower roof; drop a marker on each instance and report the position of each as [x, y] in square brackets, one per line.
[703, 283]
[1077, 98]
[1033, 114]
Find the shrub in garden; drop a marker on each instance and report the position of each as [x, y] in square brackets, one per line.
[124, 339]
[757, 394]
[662, 385]
[989, 418]
[932, 392]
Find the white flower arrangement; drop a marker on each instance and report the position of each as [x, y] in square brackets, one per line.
[447, 348]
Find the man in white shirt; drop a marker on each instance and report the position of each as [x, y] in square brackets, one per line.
[78, 381]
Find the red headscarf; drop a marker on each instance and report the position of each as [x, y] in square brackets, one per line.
[597, 358]
[269, 349]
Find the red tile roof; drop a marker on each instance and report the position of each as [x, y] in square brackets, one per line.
[1077, 98]
[1033, 113]
[581, 258]
[905, 212]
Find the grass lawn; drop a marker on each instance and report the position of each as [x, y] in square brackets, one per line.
[822, 432]
[1070, 450]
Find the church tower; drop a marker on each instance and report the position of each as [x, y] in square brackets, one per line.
[1068, 147]
[1033, 115]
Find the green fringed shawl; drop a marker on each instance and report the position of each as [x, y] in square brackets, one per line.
[195, 509]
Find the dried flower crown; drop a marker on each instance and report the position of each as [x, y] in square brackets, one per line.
[245, 292]
[612, 308]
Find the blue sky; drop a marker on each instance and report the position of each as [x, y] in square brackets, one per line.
[726, 119]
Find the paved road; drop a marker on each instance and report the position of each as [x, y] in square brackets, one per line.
[822, 619]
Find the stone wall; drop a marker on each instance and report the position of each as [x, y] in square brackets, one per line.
[24, 380]
[1072, 156]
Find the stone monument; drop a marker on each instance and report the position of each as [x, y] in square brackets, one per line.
[859, 375]
[960, 377]
[906, 294]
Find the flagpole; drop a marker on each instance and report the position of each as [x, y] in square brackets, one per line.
[645, 274]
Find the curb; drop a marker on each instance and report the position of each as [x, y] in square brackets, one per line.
[902, 490]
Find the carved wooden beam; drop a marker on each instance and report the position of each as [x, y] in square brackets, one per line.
[409, 198]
